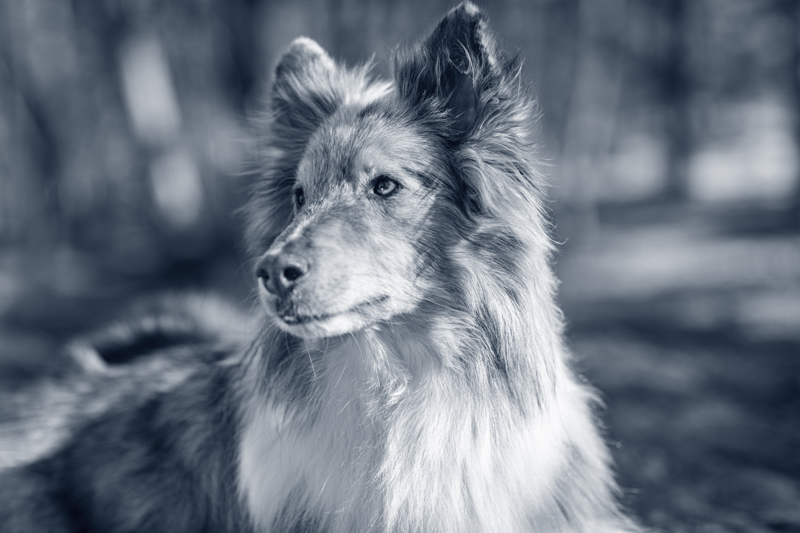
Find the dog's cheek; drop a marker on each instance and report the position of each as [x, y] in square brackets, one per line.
[395, 265]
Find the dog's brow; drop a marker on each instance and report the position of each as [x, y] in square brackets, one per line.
[369, 109]
[424, 179]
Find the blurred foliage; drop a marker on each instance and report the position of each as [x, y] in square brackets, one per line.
[122, 121]
[123, 127]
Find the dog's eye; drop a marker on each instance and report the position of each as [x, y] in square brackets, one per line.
[384, 186]
[299, 196]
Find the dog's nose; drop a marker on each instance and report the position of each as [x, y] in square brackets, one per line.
[279, 273]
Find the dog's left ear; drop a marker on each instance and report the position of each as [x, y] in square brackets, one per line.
[449, 68]
[303, 92]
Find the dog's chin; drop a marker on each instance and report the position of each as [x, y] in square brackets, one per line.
[320, 327]
[329, 324]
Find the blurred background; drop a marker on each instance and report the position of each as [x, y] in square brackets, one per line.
[671, 131]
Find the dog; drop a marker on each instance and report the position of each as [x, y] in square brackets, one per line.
[406, 370]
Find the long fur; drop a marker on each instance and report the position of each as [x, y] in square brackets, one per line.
[414, 379]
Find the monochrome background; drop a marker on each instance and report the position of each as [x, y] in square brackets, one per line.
[670, 135]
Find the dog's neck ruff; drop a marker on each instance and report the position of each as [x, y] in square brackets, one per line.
[369, 449]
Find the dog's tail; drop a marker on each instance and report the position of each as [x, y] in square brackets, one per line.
[159, 326]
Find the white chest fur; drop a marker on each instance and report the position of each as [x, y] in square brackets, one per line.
[286, 471]
[439, 460]
[320, 461]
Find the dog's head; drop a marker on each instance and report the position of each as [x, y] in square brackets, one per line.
[373, 189]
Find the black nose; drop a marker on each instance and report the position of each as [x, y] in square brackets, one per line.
[279, 273]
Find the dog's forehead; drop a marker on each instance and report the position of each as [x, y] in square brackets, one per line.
[353, 144]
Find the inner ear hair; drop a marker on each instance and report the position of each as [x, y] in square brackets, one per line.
[445, 67]
[303, 91]
[462, 99]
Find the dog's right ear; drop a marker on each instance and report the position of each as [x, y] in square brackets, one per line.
[303, 92]
[451, 69]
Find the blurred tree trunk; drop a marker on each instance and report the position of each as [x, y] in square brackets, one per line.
[676, 97]
[792, 11]
[29, 207]
[592, 115]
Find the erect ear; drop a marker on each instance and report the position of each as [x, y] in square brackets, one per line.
[303, 92]
[450, 68]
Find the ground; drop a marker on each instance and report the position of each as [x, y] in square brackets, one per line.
[690, 327]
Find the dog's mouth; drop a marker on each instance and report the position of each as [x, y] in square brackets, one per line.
[290, 316]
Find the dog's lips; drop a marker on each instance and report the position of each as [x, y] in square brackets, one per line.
[292, 318]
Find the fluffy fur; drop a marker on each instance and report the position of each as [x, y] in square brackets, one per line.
[407, 371]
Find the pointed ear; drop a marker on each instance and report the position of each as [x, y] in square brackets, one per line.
[303, 92]
[449, 69]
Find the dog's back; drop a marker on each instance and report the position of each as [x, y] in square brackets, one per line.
[110, 398]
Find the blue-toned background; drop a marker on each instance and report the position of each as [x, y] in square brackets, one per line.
[671, 131]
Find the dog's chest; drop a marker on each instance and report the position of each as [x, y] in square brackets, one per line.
[288, 472]
[317, 462]
[431, 460]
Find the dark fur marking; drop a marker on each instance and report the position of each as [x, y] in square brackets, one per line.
[287, 519]
[425, 179]
[371, 109]
[501, 250]
[116, 352]
[490, 331]
[157, 453]
[290, 376]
